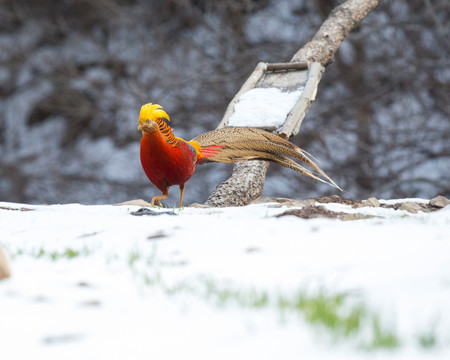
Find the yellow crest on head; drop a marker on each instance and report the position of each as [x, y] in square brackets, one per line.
[152, 112]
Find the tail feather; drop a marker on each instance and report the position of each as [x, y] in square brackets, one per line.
[291, 164]
[231, 144]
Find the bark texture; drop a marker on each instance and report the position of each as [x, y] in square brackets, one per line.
[244, 185]
[247, 180]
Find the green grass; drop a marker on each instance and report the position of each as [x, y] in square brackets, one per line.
[328, 310]
[226, 294]
[133, 256]
[68, 253]
[382, 338]
[342, 316]
[339, 316]
[428, 339]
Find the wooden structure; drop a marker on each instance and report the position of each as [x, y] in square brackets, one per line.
[287, 77]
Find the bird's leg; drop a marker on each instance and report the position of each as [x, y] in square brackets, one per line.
[181, 194]
[158, 198]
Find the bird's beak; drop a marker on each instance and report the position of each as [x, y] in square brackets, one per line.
[142, 125]
[148, 126]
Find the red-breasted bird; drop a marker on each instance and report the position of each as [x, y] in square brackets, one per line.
[169, 160]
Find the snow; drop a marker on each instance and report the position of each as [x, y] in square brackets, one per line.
[137, 289]
[264, 107]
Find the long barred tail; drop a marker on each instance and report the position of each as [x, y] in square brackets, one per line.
[232, 144]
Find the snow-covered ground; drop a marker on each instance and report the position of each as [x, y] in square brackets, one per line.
[95, 282]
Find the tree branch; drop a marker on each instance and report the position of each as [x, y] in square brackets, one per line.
[335, 29]
[244, 185]
[247, 180]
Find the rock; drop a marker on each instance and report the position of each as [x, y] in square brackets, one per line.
[91, 303]
[265, 200]
[15, 209]
[279, 202]
[197, 205]
[4, 269]
[411, 207]
[357, 216]
[157, 235]
[358, 205]
[295, 203]
[439, 201]
[335, 199]
[372, 202]
[149, 212]
[312, 212]
[137, 202]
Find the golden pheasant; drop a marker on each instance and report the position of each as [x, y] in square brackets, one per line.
[169, 160]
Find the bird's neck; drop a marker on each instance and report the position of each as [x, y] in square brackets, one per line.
[154, 139]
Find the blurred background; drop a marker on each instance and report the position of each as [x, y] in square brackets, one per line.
[74, 74]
